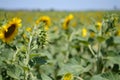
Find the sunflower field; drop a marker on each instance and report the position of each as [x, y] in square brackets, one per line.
[59, 45]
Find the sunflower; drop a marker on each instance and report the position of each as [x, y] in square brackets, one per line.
[68, 76]
[67, 21]
[84, 32]
[117, 33]
[8, 31]
[44, 19]
[98, 25]
[28, 29]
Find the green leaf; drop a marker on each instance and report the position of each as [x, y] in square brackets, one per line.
[111, 60]
[34, 55]
[75, 69]
[100, 39]
[14, 71]
[37, 60]
[114, 60]
[117, 40]
[98, 77]
[84, 42]
[7, 53]
[93, 28]
[110, 76]
[109, 41]
[0, 77]
[45, 77]
[81, 40]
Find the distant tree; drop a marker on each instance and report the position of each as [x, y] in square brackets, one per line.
[115, 7]
[51, 9]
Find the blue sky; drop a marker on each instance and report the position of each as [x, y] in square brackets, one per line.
[60, 4]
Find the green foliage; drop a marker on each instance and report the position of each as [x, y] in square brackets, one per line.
[49, 54]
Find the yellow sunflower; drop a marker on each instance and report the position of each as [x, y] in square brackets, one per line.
[68, 76]
[67, 21]
[8, 31]
[28, 29]
[84, 32]
[117, 33]
[44, 19]
[98, 25]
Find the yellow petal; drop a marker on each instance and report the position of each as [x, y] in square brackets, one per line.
[68, 76]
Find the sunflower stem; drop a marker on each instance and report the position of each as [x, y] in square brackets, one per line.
[14, 56]
[91, 50]
[28, 57]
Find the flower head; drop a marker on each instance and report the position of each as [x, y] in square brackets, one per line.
[28, 29]
[67, 21]
[98, 25]
[8, 31]
[117, 33]
[68, 76]
[84, 32]
[44, 19]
